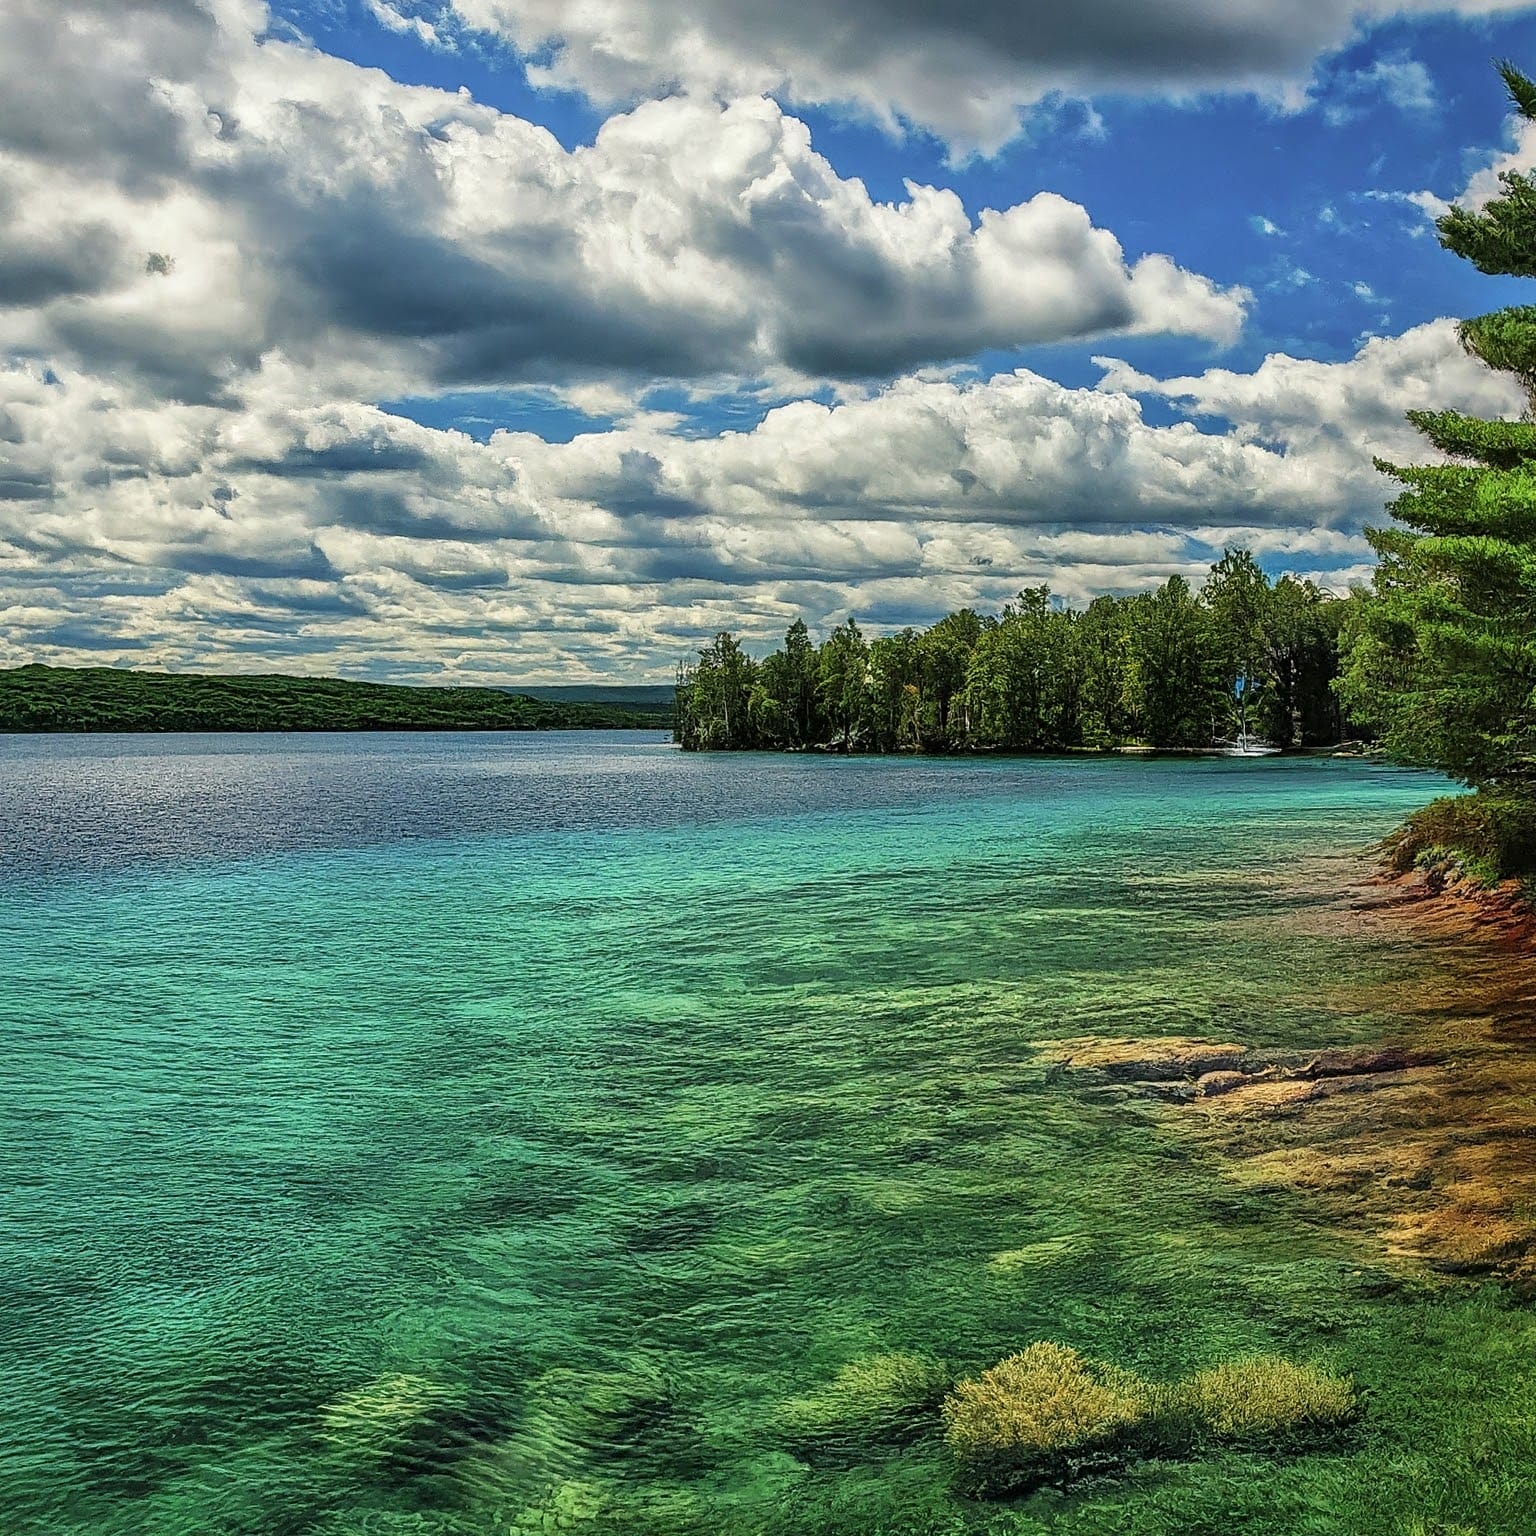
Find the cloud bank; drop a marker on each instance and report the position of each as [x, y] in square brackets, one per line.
[966, 71]
[338, 536]
[190, 200]
[220, 250]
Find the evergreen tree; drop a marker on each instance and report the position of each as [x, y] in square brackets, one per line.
[1442, 658]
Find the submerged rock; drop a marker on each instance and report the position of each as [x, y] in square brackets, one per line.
[1209, 1084]
[1147, 1061]
[1423, 1142]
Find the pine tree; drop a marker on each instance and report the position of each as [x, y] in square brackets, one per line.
[1442, 658]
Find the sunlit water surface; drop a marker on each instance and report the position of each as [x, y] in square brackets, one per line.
[475, 1134]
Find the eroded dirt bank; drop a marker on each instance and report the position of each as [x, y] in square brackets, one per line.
[1422, 1147]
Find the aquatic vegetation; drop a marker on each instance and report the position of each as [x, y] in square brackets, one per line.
[576, 1416]
[1043, 1413]
[1265, 1396]
[389, 1417]
[1047, 1414]
[1046, 1254]
[572, 1505]
[872, 1399]
[648, 1183]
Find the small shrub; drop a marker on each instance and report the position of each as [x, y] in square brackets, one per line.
[1492, 837]
[1043, 1414]
[1266, 1396]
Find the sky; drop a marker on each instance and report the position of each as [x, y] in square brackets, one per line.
[531, 341]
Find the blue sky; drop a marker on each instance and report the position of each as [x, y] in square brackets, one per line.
[493, 339]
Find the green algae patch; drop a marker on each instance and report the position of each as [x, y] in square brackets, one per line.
[391, 1418]
[572, 1505]
[873, 1400]
[1046, 1254]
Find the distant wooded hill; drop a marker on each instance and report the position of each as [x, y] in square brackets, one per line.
[38, 698]
[630, 695]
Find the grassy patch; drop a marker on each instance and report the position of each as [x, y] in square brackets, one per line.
[1049, 1415]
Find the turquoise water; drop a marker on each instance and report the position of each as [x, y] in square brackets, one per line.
[449, 1135]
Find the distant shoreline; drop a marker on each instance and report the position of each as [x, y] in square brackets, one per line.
[39, 700]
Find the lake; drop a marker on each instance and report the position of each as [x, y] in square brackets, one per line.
[503, 1133]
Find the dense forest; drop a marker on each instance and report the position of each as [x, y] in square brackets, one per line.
[1171, 668]
[36, 698]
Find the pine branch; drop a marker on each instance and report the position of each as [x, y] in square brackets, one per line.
[1522, 90]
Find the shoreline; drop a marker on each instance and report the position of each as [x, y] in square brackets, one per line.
[1441, 902]
[1414, 1148]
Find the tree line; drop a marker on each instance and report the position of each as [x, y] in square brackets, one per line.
[1436, 659]
[1175, 667]
[38, 698]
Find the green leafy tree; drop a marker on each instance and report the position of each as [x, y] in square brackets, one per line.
[801, 667]
[944, 653]
[1442, 657]
[1102, 638]
[713, 712]
[894, 672]
[1022, 681]
[1237, 595]
[1298, 706]
[1160, 668]
[1175, 679]
[768, 713]
[844, 683]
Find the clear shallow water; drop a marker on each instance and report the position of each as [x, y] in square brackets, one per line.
[490, 1134]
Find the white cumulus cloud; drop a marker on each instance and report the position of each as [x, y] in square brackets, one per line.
[283, 201]
[282, 530]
